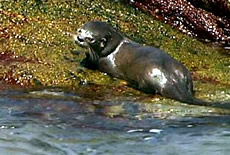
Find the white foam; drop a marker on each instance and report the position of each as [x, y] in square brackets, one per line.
[135, 130]
[48, 92]
[157, 131]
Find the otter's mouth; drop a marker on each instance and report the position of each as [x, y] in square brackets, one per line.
[81, 36]
[80, 40]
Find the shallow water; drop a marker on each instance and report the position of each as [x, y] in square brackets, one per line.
[54, 122]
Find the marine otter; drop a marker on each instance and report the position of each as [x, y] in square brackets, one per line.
[145, 67]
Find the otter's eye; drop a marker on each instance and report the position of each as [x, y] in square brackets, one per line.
[90, 40]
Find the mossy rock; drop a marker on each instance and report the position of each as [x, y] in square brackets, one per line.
[36, 50]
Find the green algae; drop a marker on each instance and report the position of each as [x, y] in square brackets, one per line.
[38, 31]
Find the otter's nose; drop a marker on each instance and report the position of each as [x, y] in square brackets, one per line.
[78, 30]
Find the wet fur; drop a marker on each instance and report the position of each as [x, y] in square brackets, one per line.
[134, 63]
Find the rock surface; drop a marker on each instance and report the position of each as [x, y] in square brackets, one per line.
[36, 50]
[192, 20]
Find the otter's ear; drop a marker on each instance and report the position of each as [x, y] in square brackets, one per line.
[103, 42]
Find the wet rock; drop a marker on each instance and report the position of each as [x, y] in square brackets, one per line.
[190, 19]
[36, 48]
[218, 7]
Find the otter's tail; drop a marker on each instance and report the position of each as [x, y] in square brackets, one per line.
[195, 101]
[180, 92]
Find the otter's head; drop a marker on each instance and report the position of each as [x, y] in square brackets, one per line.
[100, 38]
